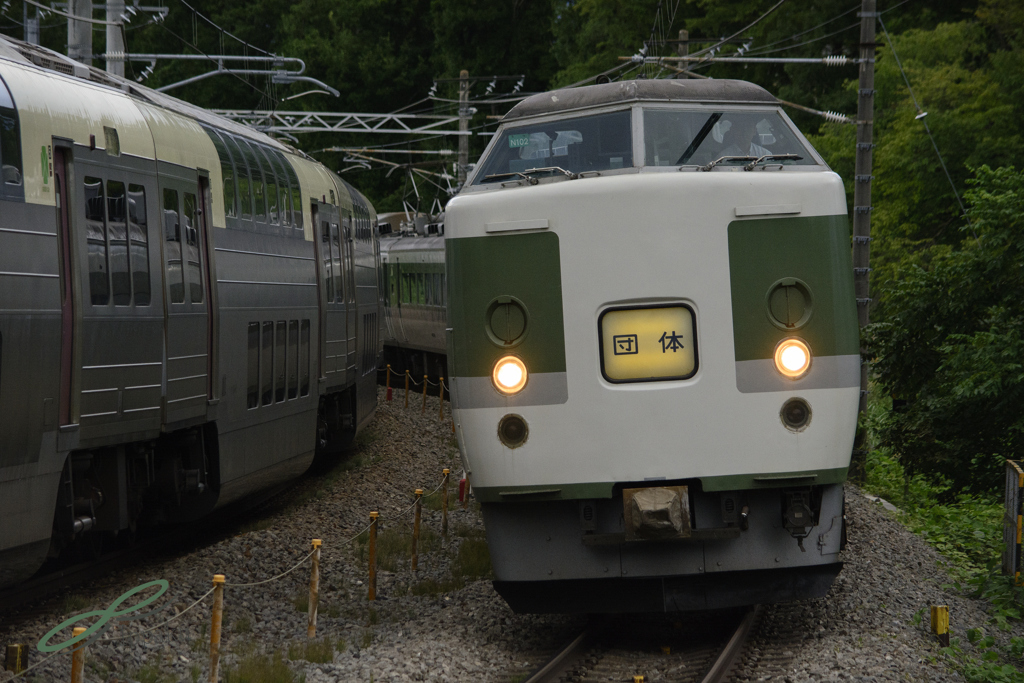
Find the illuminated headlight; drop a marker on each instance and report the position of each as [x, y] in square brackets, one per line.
[509, 375]
[792, 358]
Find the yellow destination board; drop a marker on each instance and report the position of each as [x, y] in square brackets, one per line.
[647, 344]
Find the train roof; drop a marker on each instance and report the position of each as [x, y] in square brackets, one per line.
[29, 54]
[705, 91]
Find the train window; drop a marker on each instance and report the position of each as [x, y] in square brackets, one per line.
[267, 365]
[227, 172]
[339, 289]
[172, 239]
[296, 206]
[428, 290]
[138, 237]
[404, 280]
[117, 234]
[600, 142]
[271, 177]
[421, 289]
[192, 249]
[259, 189]
[10, 144]
[325, 230]
[283, 191]
[304, 358]
[242, 176]
[280, 360]
[675, 137]
[293, 359]
[253, 367]
[96, 239]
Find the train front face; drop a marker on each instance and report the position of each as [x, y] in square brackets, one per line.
[654, 348]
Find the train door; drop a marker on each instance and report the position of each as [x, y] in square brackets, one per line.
[349, 295]
[67, 414]
[117, 335]
[187, 326]
[333, 337]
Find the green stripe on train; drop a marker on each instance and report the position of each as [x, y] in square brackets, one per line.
[606, 489]
[481, 269]
[814, 250]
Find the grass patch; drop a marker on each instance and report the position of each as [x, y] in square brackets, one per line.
[320, 651]
[242, 625]
[394, 547]
[74, 603]
[260, 668]
[967, 528]
[151, 673]
[473, 560]
[301, 602]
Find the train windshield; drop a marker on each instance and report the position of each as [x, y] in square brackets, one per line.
[587, 143]
[674, 137]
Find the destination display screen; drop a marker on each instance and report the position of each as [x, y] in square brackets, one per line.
[649, 344]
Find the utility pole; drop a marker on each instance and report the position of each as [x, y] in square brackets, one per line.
[31, 25]
[115, 38]
[463, 126]
[862, 180]
[80, 32]
[683, 49]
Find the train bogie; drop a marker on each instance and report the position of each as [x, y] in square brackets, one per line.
[653, 324]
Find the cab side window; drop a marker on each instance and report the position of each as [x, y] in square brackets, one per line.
[11, 183]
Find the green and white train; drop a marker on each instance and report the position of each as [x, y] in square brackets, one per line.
[653, 346]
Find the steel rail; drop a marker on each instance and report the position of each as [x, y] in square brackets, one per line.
[556, 666]
[730, 654]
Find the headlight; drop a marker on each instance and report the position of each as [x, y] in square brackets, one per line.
[509, 375]
[792, 358]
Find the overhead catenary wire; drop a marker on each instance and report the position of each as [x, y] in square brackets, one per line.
[921, 114]
[742, 30]
[762, 48]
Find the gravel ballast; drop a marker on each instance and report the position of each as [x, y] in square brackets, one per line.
[443, 623]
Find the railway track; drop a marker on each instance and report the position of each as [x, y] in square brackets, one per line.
[699, 647]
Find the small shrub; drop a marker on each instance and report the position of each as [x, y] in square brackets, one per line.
[473, 560]
[242, 625]
[74, 603]
[151, 673]
[316, 651]
[260, 668]
[301, 602]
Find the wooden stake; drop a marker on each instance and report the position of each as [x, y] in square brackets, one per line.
[387, 383]
[424, 408]
[78, 657]
[314, 588]
[416, 531]
[215, 624]
[373, 547]
[444, 505]
[440, 410]
[406, 388]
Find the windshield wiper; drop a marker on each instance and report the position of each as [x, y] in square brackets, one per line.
[772, 157]
[510, 174]
[699, 139]
[708, 167]
[525, 175]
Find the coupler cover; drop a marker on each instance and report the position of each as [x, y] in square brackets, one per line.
[657, 512]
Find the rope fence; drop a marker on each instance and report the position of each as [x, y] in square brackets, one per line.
[425, 382]
[105, 619]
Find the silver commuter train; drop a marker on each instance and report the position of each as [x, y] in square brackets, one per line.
[415, 299]
[654, 349]
[188, 309]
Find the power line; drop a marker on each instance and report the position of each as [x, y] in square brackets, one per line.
[742, 30]
[227, 33]
[921, 114]
[803, 33]
[808, 42]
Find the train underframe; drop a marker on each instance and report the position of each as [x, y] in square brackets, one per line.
[744, 548]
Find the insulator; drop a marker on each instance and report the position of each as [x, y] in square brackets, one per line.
[835, 117]
[835, 60]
